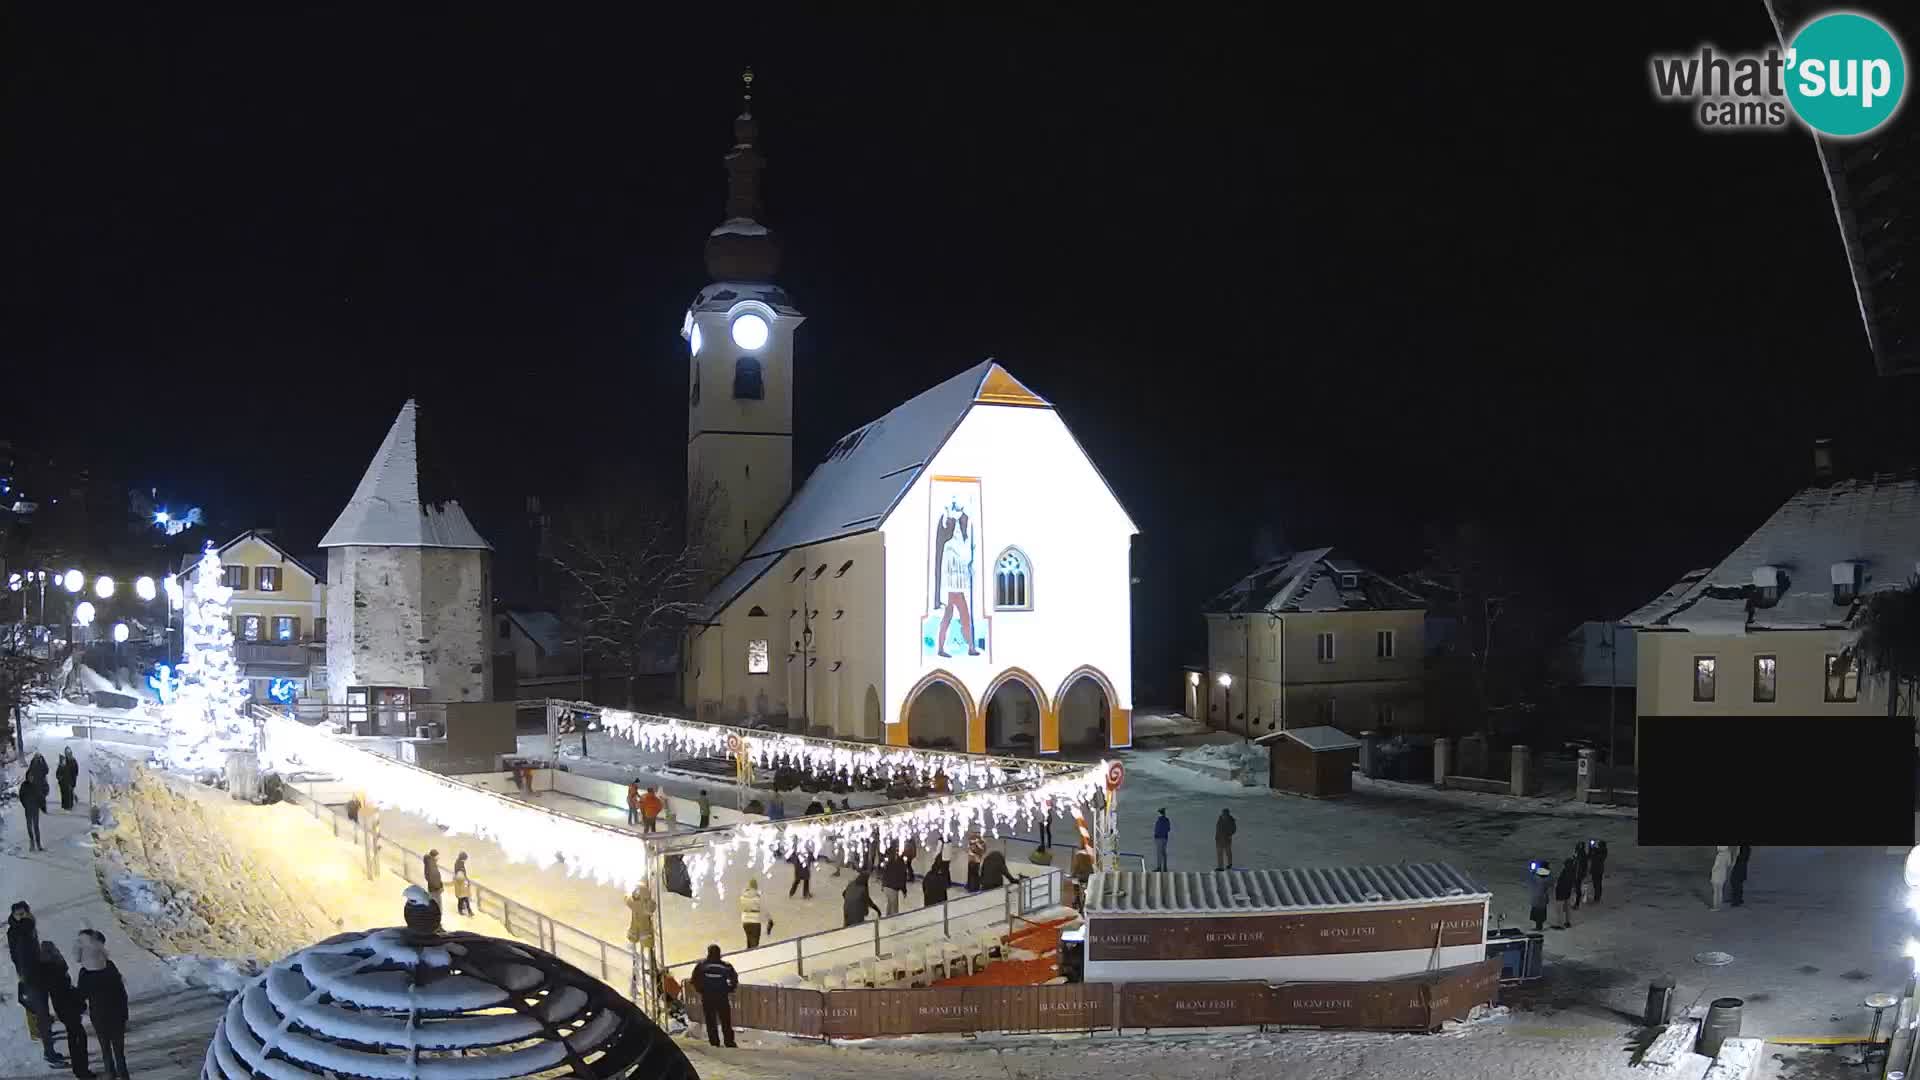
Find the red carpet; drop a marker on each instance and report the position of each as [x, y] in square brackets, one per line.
[1042, 938]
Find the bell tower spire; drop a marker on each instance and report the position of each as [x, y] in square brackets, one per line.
[741, 248]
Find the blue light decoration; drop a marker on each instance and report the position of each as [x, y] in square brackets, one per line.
[165, 682]
[283, 690]
[174, 524]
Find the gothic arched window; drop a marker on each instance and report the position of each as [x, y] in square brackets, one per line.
[1012, 581]
[746, 378]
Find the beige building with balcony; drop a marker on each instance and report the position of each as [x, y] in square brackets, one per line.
[1766, 632]
[1312, 639]
[279, 612]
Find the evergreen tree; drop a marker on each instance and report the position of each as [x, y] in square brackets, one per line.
[208, 715]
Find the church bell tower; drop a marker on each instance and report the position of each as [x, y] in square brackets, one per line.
[739, 334]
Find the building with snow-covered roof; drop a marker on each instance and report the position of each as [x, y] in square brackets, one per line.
[409, 601]
[1767, 630]
[279, 613]
[1312, 638]
[955, 573]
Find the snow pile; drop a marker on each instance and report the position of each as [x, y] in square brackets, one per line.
[214, 973]
[1481, 1014]
[1738, 1058]
[162, 904]
[1244, 762]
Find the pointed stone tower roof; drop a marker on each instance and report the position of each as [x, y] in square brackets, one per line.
[386, 510]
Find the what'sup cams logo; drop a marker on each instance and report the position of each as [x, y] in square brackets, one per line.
[1843, 75]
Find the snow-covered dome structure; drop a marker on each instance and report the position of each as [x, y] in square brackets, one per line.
[407, 1003]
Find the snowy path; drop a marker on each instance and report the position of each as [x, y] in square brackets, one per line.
[170, 1023]
[1821, 929]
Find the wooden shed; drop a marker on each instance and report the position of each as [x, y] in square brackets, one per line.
[1315, 761]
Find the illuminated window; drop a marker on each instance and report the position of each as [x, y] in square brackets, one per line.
[1013, 581]
[286, 628]
[746, 378]
[757, 656]
[1383, 644]
[250, 627]
[1703, 667]
[1323, 647]
[1843, 678]
[1764, 687]
[266, 578]
[236, 576]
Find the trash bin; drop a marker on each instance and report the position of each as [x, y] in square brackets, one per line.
[1509, 946]
[1073, 954]
[1722, 1023]
[1659, 1003]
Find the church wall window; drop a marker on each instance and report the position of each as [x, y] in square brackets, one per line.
[747, 382]
[757, 656]
[1012, 581]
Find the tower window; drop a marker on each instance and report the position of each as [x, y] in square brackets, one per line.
[694, 397]
[821, 569]
[747, 383]
[1012, 581]
[844, 567]
[757, 656]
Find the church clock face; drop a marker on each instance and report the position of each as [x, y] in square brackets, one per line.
[750, 331]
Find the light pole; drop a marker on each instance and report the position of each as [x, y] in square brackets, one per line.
[1226, 684]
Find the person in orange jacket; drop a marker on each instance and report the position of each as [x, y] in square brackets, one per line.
[650, 805]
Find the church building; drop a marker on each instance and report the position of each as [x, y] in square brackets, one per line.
[953, 574]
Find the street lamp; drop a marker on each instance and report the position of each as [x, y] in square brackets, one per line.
[144, 588]
[1226, 684]
[103, 587]
[74, 580]
[119, 633]
[83, 613]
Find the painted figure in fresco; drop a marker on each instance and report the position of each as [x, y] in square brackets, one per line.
[956, 575]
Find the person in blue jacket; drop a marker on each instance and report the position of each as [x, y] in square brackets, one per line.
[1162, 828]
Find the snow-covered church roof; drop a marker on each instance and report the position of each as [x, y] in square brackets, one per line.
[1314, 580]
[1827, 529]
[386, 510]
[868, 471]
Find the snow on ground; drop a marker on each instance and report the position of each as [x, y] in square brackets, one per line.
[1165, 725]
[1241, 761]
[1821, 929]
[610, 757]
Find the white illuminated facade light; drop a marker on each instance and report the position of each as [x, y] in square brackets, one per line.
[83, 613]
[1225, 679]
[73, 581]
[693, 339]
[750, 331]
[144, 588]
[103, 587]
[119, 632]
[13, 582]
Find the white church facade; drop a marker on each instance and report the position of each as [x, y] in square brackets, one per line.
[956, 573]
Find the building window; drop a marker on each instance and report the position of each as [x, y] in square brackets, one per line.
[249, 627]
[1764, 687]
[320, 630]
[1843, 678]
[506, 629]
[266, 578]
[746, 378]
[693, 397]
[236, 577]
[1703, 678]
[1349, 581]
[821, 569]
[801, 569]
[757, 656]
[286, 628]
[844, 567]
[1323, 649]
[1383, 644]
[1012, 581]
[1383, 714]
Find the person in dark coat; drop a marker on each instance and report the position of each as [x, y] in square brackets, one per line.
[802, 875]
[993, 870]
[911, 851]
[855, 901]
[1223, 830]
[893, 878]
[1737, 880]
[430, 870]
[1563, 892]
[1162, 832]
[935, 882]
[67, 1004]
[1579, 872]
[1539, 889]
[976, 850]
[1597, 865]
[105, 992]
[33, 803]
[23, 946]
[37, 768]
[67, 773]
[716, 981]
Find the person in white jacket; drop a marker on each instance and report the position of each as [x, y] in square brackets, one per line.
[1722, 866]
[752, 917]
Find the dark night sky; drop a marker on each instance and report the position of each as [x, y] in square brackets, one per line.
[1348, 277]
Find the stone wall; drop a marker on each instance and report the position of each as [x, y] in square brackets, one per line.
[407, 616]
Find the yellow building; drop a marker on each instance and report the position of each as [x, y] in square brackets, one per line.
[1766, 632]
[1312, 639]
[279, 616]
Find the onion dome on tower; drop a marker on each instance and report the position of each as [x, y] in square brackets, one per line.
[741, 248]
[411, 1002]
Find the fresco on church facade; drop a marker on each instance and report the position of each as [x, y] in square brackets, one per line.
[954, 625]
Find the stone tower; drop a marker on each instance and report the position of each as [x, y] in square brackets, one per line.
[739, 332]
[409, 595]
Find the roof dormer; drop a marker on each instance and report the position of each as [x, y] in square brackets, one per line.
[1848, 577]
[1768, 582]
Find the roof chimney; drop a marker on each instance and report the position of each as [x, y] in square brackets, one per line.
[1823, 459]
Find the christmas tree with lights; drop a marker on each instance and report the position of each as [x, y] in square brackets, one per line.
[207, 717]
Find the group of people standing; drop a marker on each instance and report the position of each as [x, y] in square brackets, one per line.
[34, 790]
[647, 808]
[1584, 869]
[48, 990]
[437, 882]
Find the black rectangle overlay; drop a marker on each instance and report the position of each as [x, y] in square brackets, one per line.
[1801, 781]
